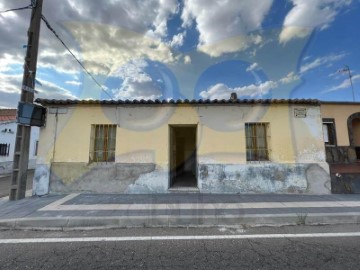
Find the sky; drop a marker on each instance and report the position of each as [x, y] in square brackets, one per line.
[198, 49]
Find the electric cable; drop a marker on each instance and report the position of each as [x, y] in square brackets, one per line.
[16, 9]
[68, 49]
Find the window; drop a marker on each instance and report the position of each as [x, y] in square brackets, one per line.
[329, 132]
[256, 141]
[4, 149]
[103, 140]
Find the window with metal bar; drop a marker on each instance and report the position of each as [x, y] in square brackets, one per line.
[4, 149]
[103, 140]
[257, 141]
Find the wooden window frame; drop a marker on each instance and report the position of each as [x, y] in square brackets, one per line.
[253, 154]
[102, 137]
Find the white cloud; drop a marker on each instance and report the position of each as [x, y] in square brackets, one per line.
[252, 67]
[178, 40]
[320, 61]
[307, 15]
[344, 84]
[106, 48]
[291, 77]
[137, 84]
[219, 21]
[102, 49]
[222, 91]
[75, 83]
[164, 9]
[187, 59]
[230, 45]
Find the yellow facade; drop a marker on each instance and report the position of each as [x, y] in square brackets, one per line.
[143, 132]
[340, 112]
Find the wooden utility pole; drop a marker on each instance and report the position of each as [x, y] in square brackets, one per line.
[22, 143]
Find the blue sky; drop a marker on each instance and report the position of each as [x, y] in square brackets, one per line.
[187, 49]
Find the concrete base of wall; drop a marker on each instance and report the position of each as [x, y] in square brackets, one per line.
[212, 178]
[107, 178]
[265, 178]
[7, 166]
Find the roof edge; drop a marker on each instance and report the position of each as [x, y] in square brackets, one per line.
[47, 102]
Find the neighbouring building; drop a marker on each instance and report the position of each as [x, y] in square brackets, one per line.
[341, 124]
[8, 127]
[218, 146]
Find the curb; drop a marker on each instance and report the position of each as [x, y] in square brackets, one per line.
[81, 223]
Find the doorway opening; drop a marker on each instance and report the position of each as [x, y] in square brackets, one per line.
[183, 156]
[356, 136]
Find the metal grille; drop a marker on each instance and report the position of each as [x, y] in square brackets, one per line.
[256, 141]
[4, 149]
[103, 143]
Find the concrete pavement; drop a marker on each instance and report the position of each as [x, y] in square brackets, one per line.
[74, 211]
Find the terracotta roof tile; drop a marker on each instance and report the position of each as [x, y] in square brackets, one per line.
[7, 115]
[47, 102]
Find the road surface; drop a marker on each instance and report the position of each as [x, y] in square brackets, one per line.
[297, 247]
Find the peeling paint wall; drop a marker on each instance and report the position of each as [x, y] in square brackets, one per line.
[142, 149]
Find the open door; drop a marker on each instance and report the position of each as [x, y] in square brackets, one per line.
[183, 156]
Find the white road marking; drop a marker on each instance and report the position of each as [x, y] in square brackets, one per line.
[57, 203]
[57, 206]
[175, 237]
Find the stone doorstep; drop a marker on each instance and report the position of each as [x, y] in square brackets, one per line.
[179, 221]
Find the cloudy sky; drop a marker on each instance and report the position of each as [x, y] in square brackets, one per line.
[162, 49]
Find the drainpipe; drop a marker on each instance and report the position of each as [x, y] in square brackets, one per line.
[54, 143]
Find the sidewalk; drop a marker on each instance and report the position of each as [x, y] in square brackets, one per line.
[180, 209]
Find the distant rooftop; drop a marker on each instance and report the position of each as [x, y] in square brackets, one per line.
[7, 115]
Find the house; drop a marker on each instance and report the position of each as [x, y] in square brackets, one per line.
[8, 127]
[218, 146]
[341, 124]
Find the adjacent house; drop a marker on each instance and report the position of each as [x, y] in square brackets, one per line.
[8, 127]
[341, 124]
[161, 146]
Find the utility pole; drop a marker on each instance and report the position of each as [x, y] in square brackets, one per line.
[22, 143]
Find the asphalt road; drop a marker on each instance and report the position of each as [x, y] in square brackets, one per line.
[253, 253]
[6, 180]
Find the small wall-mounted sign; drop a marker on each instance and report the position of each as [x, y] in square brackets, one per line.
[29, 89]
[300, 112]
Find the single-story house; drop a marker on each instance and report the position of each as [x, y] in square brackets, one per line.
[341, 125]
[161, 146]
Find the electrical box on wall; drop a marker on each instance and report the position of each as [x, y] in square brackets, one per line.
[29, 114]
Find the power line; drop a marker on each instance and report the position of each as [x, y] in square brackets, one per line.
[15, 9]
[68, 49]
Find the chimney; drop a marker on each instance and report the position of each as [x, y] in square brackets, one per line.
[233, 96]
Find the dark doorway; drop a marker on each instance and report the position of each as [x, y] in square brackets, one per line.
[183, 156]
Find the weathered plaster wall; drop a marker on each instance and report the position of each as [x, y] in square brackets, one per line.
[260, 178]
[143, 139]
